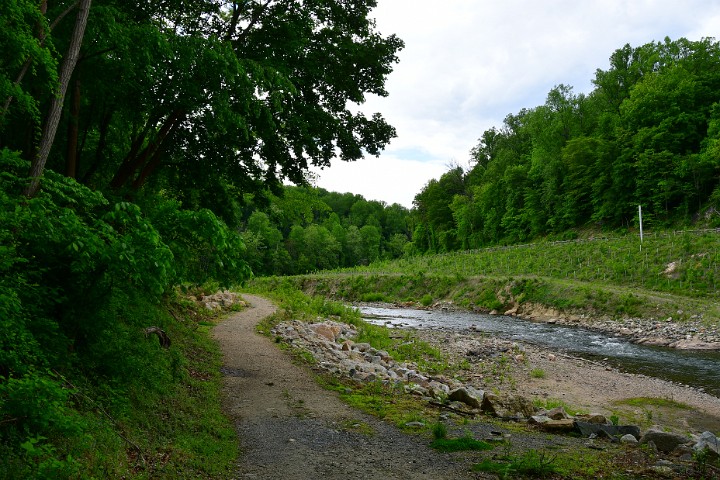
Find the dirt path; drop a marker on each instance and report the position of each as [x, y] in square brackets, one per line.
[291, 428]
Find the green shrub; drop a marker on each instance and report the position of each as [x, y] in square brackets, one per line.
[80, 279]
[373, 297]
[532, 464]
[439, 431]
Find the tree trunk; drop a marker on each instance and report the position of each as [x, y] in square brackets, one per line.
[154, 162]
[102, 142]
[136, 162]
[53, 119]
[72, 140]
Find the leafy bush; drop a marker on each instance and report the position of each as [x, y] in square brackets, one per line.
[80, 279]
[202, 245]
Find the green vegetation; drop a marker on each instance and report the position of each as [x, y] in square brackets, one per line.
[532, 464]
[82, 279]
[550, 403]
[537, 373]
[465, 443]
[358, 426]
[135, 138]
[653, 402]
[609, 277]
[611, 260]
[143, 148]
[308, 229]
[439, 431]
[648, 411]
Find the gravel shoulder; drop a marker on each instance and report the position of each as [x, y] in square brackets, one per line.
[291, 428]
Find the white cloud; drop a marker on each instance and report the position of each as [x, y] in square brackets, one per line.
[469, 63]
[385, 178]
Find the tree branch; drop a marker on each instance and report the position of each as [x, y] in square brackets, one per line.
[253, 20]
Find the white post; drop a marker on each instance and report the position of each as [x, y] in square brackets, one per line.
[641, 228]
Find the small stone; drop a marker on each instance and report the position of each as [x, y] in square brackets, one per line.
[415, 424]
[709, 443]
[557, 413]
[538, 419]
[362, 347]
[662, 470]
[628, 439]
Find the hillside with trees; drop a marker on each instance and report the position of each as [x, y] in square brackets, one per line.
[308, 229]
[648, 134]
[131, 135]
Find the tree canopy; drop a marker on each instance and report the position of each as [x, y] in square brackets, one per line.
[197, 100]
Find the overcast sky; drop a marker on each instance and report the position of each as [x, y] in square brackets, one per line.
[468, 63]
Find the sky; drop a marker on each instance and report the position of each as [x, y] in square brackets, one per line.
[467, 64]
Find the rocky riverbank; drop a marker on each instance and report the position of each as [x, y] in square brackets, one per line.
[497, 379]
[691, 333]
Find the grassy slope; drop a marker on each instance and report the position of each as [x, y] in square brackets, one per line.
[609, 277]
[163, 424]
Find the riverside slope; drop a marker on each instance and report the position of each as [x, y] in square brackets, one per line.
[291, 428]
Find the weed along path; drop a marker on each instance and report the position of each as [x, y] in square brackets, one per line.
[291, 428]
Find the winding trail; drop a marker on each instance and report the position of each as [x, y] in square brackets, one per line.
[291, 428]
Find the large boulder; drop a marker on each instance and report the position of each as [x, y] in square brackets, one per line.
[328, 331]
[509, 407]
[467, 395]
[665, 442]
[563, 425]
[593, 418]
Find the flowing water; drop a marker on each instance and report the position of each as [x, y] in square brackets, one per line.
[700, 369]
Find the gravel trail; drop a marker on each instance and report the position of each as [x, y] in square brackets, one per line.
[291, 428]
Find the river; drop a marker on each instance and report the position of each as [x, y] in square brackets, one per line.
[697, 368]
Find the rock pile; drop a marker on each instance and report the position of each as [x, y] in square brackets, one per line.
[332, 346]
[219, 301]
[334, 350]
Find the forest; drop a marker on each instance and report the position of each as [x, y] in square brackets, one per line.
[309, 229]
[647, 135]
